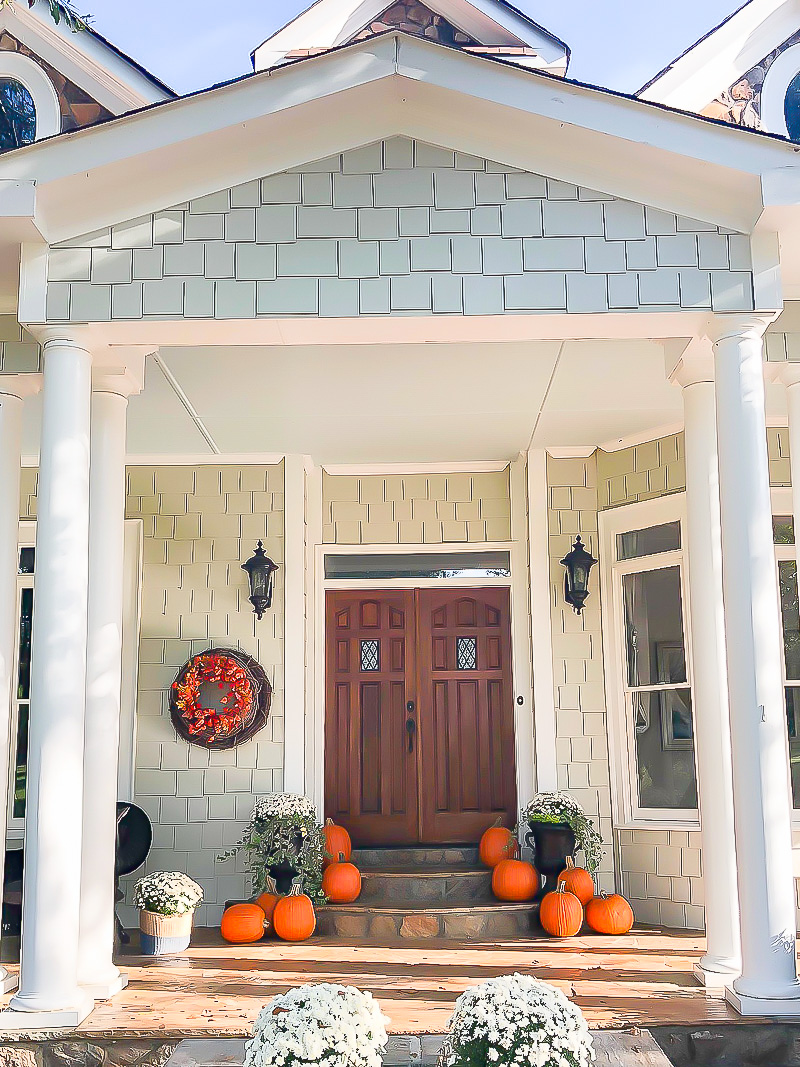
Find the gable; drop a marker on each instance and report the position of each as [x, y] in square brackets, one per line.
[77, 107]
[399, 227]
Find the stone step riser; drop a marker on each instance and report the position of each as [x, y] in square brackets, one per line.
[416, 858]
[471, 925]
[421, 887]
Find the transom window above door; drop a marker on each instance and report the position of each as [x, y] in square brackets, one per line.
[382, 566]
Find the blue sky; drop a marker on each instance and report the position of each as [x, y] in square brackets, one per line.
[195, 43]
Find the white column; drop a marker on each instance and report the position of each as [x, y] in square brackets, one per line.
[761, 792]
[12, 390]
[294, 624]
[722, 960]
[97, 973]
[48, 993]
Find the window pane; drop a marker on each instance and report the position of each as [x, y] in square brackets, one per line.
[783, 529]
[17, 115]
[654, 627]
[787, 578]
[422, 565]
[25, 626]
[27, 558]
[791, 108]
[793, 727]
[664, 738]
[21, 764]
[467, 653]
[647, 542]
[370, 655]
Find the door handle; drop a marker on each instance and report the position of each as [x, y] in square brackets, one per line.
[411, 729]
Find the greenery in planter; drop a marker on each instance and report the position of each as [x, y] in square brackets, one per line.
[167, 893]
[562, 808]
[283, 828]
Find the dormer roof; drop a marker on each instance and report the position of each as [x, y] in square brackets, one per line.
[488, 27]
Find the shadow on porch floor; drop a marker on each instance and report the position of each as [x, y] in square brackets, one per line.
[217, 989]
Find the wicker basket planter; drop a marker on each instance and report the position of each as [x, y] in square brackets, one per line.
[164, 935]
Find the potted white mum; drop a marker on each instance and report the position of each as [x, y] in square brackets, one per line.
[517, 1021]
[318, 1024]
[166, 901]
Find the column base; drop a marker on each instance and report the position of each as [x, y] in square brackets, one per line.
[714, 976]
[107, 989]
[61, 1019]
[787, 1007]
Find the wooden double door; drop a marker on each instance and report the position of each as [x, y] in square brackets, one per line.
[419, 720]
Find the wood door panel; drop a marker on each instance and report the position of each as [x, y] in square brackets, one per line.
[466, 713]
[370, 778]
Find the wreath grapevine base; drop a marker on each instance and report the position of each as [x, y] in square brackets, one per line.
[242, 707]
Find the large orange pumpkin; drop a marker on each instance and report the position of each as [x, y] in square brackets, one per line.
[515, 880]
[341, 881]
[609, 914]
[561, 913]
[578, 881]
[267, 901]
[243, 923]
[337, 840]
[294, 918]
[497, 844]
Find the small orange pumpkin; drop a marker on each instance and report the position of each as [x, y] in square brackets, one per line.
[294, 918]
[267, 901]
[515, 880]
[578, 881]
[341, 882]
[609, 914]
[497, 844]
[243, 923]
[561, 913]
[337, 840]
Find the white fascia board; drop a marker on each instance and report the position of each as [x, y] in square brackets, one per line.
[727, 53]
[86, 60]
[328, 24]
[389, 85]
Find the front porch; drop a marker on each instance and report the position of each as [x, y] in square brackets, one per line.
[215, 989]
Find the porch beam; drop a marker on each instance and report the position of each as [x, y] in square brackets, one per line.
[13, 388]
[48, 994]
[97, 973]
[722, 959]
[768, 983]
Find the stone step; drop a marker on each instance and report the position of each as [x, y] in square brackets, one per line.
[401, 885]
[462, 921]
[436, 856]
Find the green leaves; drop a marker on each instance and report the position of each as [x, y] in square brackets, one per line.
[60, 11]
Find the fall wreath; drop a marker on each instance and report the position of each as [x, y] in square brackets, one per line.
[220, 698]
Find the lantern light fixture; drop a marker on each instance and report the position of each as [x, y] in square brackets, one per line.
[261, 572]
[577, 563]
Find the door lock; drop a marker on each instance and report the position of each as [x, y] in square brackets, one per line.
[411, 729]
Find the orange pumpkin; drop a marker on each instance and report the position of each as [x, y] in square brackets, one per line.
[267, 901]
[578, 881]
[609, 914]
[497, 844]
[561, 913]
[243, 923]
[341, 882]
[337, 840]
[515, 880]
[294, 918]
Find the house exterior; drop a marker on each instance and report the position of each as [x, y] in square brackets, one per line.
[416, 310]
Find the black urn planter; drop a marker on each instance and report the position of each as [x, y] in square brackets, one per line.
[283, 875]
[552, 843]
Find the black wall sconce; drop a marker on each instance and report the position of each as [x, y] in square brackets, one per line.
[261, 572]
[578, 563]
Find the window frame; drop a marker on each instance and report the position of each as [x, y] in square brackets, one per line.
[14, 66]
[627, 812]
[15, 827]
[773, 91]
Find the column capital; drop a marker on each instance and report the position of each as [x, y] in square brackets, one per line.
[20, 385]
[63, 334]
[696, 364]
[739, 324]
[786, 373]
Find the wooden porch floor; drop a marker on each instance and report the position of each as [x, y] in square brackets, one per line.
[216, 989]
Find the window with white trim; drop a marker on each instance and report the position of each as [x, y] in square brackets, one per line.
[647, 634]
[783, 536]
[20, 703]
